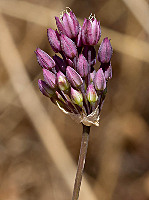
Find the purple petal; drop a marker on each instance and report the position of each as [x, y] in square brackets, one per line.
[44, 59]
[73, 77]
[50, 78]
[82, 66]
[53, 40]
[62, 81]
[45, 89]
[105, 51]
[68, 46]
[99, 80]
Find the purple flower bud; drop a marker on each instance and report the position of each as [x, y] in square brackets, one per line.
[44, 59]
[45, 89]
[92, 75]
[50, 78]
[68, 46]
[91, 94]
[62, 81]
[60, 65]
[82, 66]
[77, 97]
[68, 24]
[99, 80]
[108, 72]
[105, 51]
[73, 77]
[53, 38]
[91, 31]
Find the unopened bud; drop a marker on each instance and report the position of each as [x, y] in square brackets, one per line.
[68, 46]
[45, 89]
[91, 94]
[105, 51]
[44, 59]
[50, 78]
[91, 31]
[73, 77]
[99, 80]
[77, 97]
[62, 81]
[53, 37]
[82, 66]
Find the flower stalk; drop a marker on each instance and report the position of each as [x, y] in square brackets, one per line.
[81, 162]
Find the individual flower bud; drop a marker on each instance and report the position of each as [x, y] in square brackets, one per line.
[45, 89]
[68, 24]
[44, 59]
[105, 51]
[50, 78]
[68, 46]
[53, 37]
[91, 94]
[99, 80]
[73, 77]
[62, 81]
[92, 75]
[108, 72]
[77, 97]
[82, 66]
[60, 65]
[91, 31]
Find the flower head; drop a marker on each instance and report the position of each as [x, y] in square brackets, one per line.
[70, 80]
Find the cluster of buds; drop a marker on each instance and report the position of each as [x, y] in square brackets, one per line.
[70, 79]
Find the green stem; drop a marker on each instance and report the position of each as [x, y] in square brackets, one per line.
[81, 162]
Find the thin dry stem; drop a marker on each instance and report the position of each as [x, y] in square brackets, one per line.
[81, 162]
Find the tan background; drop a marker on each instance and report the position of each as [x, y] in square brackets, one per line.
[39, 145]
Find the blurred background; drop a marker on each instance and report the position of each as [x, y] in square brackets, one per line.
[39, 145]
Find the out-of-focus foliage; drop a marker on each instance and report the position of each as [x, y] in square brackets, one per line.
[117, 164]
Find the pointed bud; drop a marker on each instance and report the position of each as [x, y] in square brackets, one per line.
[91, 31]
[73, 77]
[62, 81]
[53, 37]
[99, 80]
[50, 78]
[108, 72]
[68, 24]
[105, 51]
[91, 94]
[68, 46]
[77, 97]
[92, 76]
[82, 66]
[45, 89]
[60, 65]
[44, 59]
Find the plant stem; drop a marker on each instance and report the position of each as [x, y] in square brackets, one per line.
[81, 162]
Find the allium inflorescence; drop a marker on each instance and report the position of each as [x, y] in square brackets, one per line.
[70, 79]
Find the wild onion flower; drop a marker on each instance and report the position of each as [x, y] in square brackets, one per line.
[70, 78]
